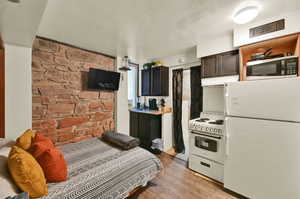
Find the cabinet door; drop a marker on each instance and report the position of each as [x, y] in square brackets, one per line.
[134, 124]
[228, 63]
[156, 82]
[146, 82]
[209, 66]
[164, 81]
[144, 130]
[155, 123]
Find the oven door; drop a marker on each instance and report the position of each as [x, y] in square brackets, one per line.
[206, 146]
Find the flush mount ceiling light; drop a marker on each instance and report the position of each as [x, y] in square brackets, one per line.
[246, 14]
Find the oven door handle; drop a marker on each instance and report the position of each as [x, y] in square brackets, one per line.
[205, 135]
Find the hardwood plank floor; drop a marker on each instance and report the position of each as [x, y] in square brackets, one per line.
[176, 181]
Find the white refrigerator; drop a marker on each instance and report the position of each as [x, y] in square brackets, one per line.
[263, 138]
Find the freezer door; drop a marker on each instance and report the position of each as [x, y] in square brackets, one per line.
[267, 99]
[262, 158]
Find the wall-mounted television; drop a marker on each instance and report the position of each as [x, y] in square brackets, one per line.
[103, 80]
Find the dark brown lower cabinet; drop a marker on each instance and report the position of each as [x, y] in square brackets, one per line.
[146, 127]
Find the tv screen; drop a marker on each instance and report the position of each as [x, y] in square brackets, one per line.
[103, 80]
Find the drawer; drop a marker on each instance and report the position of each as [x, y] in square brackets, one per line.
[206, 167]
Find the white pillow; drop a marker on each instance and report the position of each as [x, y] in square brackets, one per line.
[8, 187]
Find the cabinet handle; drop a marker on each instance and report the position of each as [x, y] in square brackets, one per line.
[205, 164]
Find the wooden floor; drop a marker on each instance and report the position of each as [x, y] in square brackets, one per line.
[176, 181]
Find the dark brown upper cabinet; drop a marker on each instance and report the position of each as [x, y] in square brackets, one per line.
[223, 64]
[155, 81]
[146, 82]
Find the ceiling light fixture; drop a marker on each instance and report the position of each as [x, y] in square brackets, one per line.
[246, 14]
[125, 64]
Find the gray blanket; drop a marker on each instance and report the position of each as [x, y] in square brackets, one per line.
[97, 170]
[120, 140]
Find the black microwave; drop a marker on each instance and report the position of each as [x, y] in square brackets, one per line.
[273, 67]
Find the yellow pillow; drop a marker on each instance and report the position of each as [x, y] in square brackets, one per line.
[27, 173]
[25, 140]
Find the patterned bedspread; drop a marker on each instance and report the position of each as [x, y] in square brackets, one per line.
[97, 170]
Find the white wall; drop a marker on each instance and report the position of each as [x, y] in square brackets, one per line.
[213, 99]
[122, 102]
[214, 45]
[18, 91]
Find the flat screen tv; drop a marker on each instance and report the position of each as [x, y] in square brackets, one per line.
[103, 80]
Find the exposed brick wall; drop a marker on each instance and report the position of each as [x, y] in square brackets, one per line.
[62, 108]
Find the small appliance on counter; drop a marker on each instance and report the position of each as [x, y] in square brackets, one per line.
[153, 104]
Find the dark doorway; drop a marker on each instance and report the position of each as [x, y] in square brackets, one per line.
[196, 92]
[177, 110]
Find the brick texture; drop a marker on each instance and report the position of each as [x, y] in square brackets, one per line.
[62, 108]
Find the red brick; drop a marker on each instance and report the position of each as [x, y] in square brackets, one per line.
[88, 94]
[61, 60]
[36, 99]
[106, 95]
[95, 105]
[82, 108]
[61, 108]
[72, 121]
[101, 116]
[108, 105]
[52, 91]
[37, 65]
[43, 56]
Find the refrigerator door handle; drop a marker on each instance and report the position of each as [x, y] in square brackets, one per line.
[226, 99]
[226, 137]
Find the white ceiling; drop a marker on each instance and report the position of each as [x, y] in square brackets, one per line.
[145, 28]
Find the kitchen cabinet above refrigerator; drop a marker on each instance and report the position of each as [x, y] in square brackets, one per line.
[220, 68]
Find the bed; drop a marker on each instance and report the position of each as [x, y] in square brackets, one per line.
[98, 170]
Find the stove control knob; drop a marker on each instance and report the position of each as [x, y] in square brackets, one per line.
[207, 129]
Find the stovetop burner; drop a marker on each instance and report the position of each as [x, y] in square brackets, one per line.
[202, 120]
[217, 122]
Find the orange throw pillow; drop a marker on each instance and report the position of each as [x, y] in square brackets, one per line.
[54, 165]
[41, 138]
[40, 144]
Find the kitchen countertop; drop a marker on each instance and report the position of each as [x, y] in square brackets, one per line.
[147, 111]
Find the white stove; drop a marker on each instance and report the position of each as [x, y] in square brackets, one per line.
[208, 123]
[207, 145]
